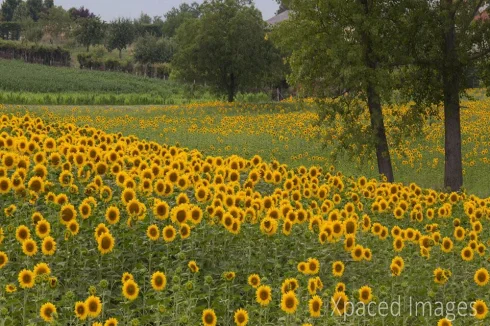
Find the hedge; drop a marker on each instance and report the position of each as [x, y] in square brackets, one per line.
[47, 55]
[157, 70]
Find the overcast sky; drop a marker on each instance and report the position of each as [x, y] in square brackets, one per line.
[110, 9]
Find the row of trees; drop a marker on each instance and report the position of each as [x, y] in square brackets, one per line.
[364, 50]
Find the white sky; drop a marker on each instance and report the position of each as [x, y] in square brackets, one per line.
[110, 9]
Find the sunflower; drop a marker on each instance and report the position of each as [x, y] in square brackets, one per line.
[112, 215]
[73, 227]
[241, 317]
[229, 276]
[130, 290]
[439, 276]
[3, 259]
[81, 310]
[161, 210]
[467, 254]
[67, 213]
[43, 228]
[94, 306]
[5, 185]
[10, 288]
[47, 312]
[36, 184]
[153, 232]
[312, 282]
[444, 322]
[339, 303]
[338, 269]
[26, 279]
[289, 284]
[105, 243]
[312, 266]
[22, 233]
[365, 294]
[263, 295]
[41, 269]
[315, 306]
[169, 233]
[209, 317]
[29, 247]
[184, 231]
[193, 267]
[289, 302]
[48, 246]
[126, 277]
[398, 244]
[254, 280]
[480, 309]
[481, 277]
[100, 229]
[158, 281]
[447, 245]
[357, 253]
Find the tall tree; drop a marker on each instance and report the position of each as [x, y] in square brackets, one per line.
[8, 8]
[55, 21]
[35, 8]
[89, 31]
[446, 40]
[177, 16]
[226, 47]
[283, 6]
[121, 34]
[345, 50]
[82, 12]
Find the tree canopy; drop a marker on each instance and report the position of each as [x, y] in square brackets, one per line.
[225, 47]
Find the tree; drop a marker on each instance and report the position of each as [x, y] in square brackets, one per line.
[35, 8]
[121, 34]
[345, 50]
[89, 31]
[21, 13]
[8, 8]
[82, 12]
[225, 47]
[447, 40]
[55, 21]
[48, 4]
[177, 16]
[144, 19]
[150, 49]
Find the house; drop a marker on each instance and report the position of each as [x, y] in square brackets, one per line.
[279, 18]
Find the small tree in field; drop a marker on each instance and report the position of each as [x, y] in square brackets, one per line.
[89, 31]
[121, 35]
[225, 47]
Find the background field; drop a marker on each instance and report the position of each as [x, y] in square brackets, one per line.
[285, 132]
[23, 83]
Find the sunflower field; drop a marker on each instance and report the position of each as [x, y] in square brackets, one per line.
[102, 227]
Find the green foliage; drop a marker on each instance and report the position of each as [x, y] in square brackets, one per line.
[8, 8]
[89, 31]
[35, 8]
[177, 16]
[121, 33]
[10, 31]
[55, 22]
[150, 49]
[47, 55]
[226, 48]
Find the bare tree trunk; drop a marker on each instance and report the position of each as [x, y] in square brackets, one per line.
[453, 160]
[375, 110]
[231, 88]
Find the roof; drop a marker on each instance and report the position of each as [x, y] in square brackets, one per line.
[279, 18]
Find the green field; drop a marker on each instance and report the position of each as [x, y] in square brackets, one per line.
[23, 83]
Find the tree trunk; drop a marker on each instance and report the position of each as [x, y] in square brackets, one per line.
[453, 160]
[375, 110]
[231, 88]
[379, 130]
